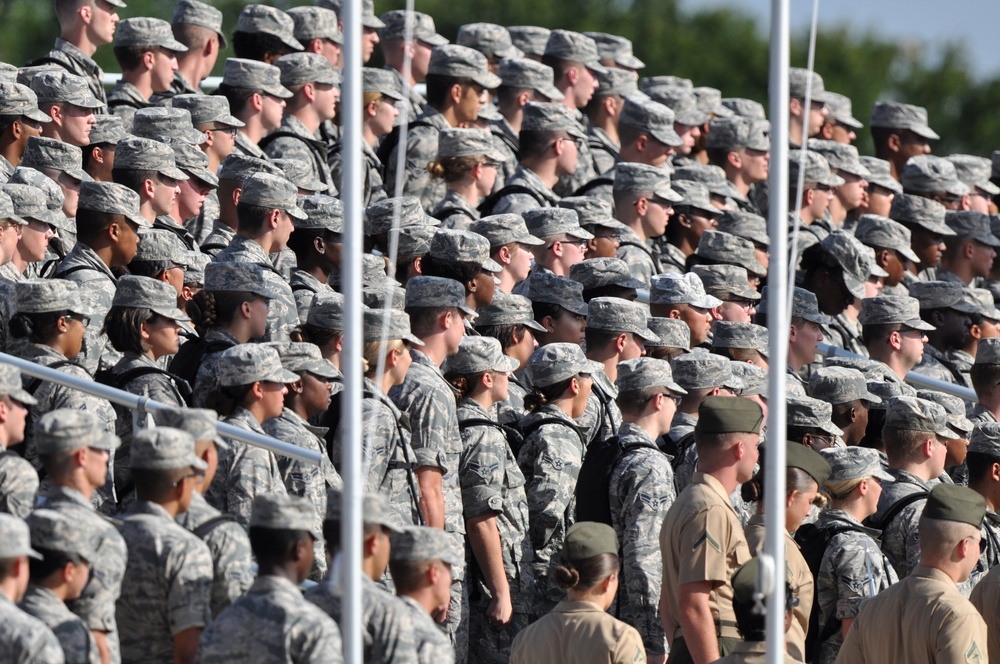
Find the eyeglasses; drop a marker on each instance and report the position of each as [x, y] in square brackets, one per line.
[17, 228]
[491, 164]
[822, 187]
[575, 139]
[177, 266]
[194, 475]
[85, 320]
[743, 304]
[229, 131]
[820, 442]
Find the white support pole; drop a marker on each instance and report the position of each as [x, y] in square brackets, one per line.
[351, 527]
[777, 320]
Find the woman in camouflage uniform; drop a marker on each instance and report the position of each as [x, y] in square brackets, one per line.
[467, 161]
[501, 583]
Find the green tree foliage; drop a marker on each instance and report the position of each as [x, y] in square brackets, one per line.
[723, 48]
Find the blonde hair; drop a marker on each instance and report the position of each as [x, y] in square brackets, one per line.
[453, 169]
[373, 349]
[840, 489]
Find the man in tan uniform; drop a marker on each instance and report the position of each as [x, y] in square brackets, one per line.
[702, 539]
[924, 618]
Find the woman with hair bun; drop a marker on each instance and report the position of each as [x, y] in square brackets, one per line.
[579, 629]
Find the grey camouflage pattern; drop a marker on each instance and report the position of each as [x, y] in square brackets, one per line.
[77, 643]
[24, 638]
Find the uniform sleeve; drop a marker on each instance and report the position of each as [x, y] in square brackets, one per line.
[96, 606]
[846, 571]
[18, 486]
[555, 459]
[703, 557]
[316, 641]
[962, 638]
[629, 649]
[189, 588]
[481, 472]
[852, 652]
[233, 564]
[421, 149]
[431, 424]
[251, 474]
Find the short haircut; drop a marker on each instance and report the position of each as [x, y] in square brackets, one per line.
[130, 57]
[154, 485]
[252, 217]
[424, 320]
[534, 144]
[90, 224]
[938, 538]
[272, 547]
[979, 465]
[559, 66]
[878, 333]
[903, 444]
[438, 87]
[460, 271]
[51, 562]
[984, 377]
[596, 338]
[407, 575]
[193, 36]
[237, 97]
[132, 178]
[257, 45]
[634, 402]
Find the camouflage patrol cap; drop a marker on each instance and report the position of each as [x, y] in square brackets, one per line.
[205, 109]
[276, 511]
[883, 233]
[710, 101]
[245, 364]
[840, 157]
[423, 29]
[529, 39]
[199, 423]
[746, 225]
[556, 362]
[143, 31]
[971, 224]
[463, 247]
[915, 414]
[892, 310]
[194, 163]
[852, 463]
[696, 195]
[193, 12]
[368, 18]
[68, 429]
[167, 125]
[974, 172]
[112, 198]
[372, 272]
[146, 293]
[437, 293]
[745, 108]
[811, 413]
[928, 174]
[712, 177]
[326, 310]
[29, 203]
[799, 79]
[985, 439]
[895, 115]
[375, 510]
[700, 370]
[731, 250]
[804, 306]
[479, 354]
[15, 539]
[952, 502]
[57, 87]
[645, 372]
[736, 133]
[394, 323]
[554, 289]
[414, 241]
[322, 213]
[730, 280]
[41, 152]
[592, 211]
[254, 75]
[19, 100]
[160, 245]
[550, 116]
[671, 288]
[273, 192]
[301, 68]
[614, 314]
[843, 249]
[240, 167]
[524, 73]
[54, 531]
[381, 81]
[728, 415]
[617, 49]
[615, 83]
[837, 385]
[754, 377]
[733, 334]
[195, 263]
[682, 102]
[300, 174]
[270, 21]
[7, 210]
[988, 351]
[546, 223]
[420, 543]
[53, 193]
[463, 62]
[379, 215]
[301, 357]
[10, 385]
[8, 72]
[507, 310]
[164, 448]
[600, 272]
[983, 297]
[840, 110]
[504, 229]
[919, 211]
[645, 179]
[647, 83]
[40, 296]
[574, 47]
[315, 23]
[954, 407]
[817, 169]
[886, 390]
[461, 142]
[673, 333]
[390, 294]
[490, 39]
[650, 117]
[943, 295]
[237, 277]
[145, 154]
[880, 174]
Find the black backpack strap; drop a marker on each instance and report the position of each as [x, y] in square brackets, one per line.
[183, 387]
[485, 208]
[897, 507]
[72, 270]
[390, 142]
[587, 187]
[32, 383]
[203, 531]
[444, 213]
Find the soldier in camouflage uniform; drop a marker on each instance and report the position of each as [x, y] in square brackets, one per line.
[251, 373]
[22, 637]
[641, 490]
[234, 170]
[270, 202]
[644, 201]
[846, 391]
[317, 247]
[62, 543]
[853, 567]
[194, 24]
[891, 242]
[985, 325]
[419, 557]
[70, 99]
[613, 85]
[683, 297]
[66, 441]
[424, 38]
[389, 635]
[438, 306]
[232, 561]
[467, 161]
[949, 307]
[272, 622]
[18, 478]
[983, 452]
[986, 382]
[691, 217]
[243, 80]
[731, 284]
[552, 454]
[166, 590]
[307, 397]
[501, 581]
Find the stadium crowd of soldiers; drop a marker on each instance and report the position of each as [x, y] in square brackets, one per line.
[555, 471]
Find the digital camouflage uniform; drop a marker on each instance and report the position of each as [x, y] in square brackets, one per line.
[518, 203]
[75, 639]
[372, 186]
[421, 149]
[167, 586]
[454, 211]
[97, 291]
[306, 148]
[206, 383]
[271, 623]
[304, 287]
[24, 638]
[602, 418]
[124, 100]
[433, 646]
[640, 492]
[900, 539]
[75, 61]
[18, 485]
[219, 237]
[492, 484]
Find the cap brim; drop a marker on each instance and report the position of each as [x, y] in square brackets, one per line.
[296, 213]
[947, 433]
[534, 326]
[372, 23]
[666, 192]
[173, 172]
[510, 364]
[708, 302]
[578, 309]
[491, 265]
[488, 80]
[434, 40]
[668, 137]
[198, 463]
[279, 91]
[629, 62]
[819, 319]
[37, 115]
[551, 92]
[851, 122]
[580, 233]
[467, 310]
[292, 42]
[138, 219]
[204, 175]
[908, 254]
[648, 335]
[988, 240]
[833, 180]
[283, 376]
[22, 396]
[412, 340]
[925, 132]
[323, 369]
[918, 324]
[988, 187]
[596, 66]
[882, 475]
[965, 307]
[531, 240]
[87, 102]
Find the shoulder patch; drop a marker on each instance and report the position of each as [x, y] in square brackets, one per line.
[556, 463]
[485, 471]
[639, 656]
[973, 654]
[706, 537]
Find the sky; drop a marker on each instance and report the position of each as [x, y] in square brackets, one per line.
[976, 23]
